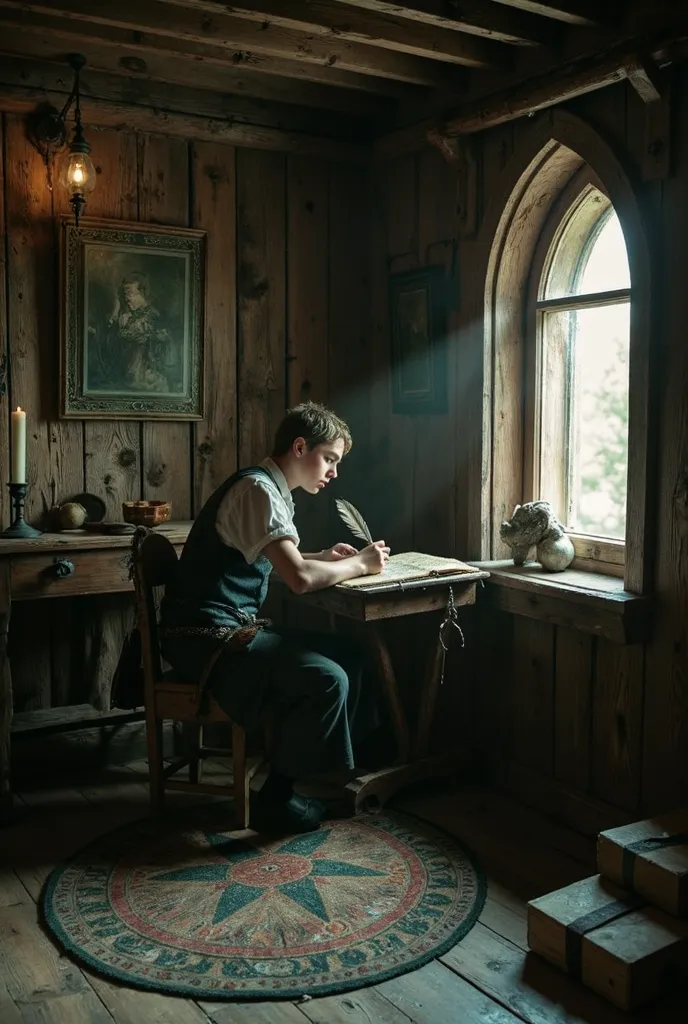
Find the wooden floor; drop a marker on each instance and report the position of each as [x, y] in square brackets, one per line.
[488, 978]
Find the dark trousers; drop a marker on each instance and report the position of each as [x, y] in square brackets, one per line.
[313, 684]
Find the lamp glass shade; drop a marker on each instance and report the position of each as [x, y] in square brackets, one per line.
[77, 173]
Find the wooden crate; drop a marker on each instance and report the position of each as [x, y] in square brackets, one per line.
[609, 939]
[650, 858]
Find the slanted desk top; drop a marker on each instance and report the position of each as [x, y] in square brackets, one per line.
[392, 600]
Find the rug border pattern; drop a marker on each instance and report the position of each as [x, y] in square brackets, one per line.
[289, 992]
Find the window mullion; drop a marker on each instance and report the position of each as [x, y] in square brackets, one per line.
[610, 298]
[570, 400]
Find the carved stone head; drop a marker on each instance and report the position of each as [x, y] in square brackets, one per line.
[528, 525]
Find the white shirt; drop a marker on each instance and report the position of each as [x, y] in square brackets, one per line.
[255, 511]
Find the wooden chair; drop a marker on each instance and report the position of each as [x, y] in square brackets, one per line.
[169, 697]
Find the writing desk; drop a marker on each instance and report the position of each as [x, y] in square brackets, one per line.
[67, 564]
[78, 563]
[372, 605]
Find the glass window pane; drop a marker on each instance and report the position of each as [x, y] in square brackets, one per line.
[589, 252]
[597, 414]
[605, 265]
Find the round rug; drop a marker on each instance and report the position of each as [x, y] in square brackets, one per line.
[188, 907]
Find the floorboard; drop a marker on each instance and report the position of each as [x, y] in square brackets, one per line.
[488, 978]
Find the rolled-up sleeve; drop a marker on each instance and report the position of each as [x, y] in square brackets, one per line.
[253, 514]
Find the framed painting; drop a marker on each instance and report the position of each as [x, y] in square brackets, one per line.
[418, 339]
[131, 320]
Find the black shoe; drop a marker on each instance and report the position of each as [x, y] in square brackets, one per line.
[295, 814]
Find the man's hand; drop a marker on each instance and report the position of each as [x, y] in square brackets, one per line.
[374, 557]
[305, 574]
[334, 554]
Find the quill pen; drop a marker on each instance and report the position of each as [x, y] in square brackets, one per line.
[353, 519]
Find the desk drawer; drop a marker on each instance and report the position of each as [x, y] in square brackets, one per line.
[90, 572]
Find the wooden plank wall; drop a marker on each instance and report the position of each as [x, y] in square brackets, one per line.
[580, 726]
[286, 318]
[298, 307]
[417, 493]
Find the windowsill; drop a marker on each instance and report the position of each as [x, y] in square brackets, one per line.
[579, 600]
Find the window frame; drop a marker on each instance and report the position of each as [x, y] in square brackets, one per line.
[598, 554]
[547, 153]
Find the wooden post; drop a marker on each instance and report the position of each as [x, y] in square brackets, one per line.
[653, 90]
[644, 77]
[462, 154]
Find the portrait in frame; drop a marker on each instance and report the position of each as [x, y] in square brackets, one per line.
[132, 332]
[418, 340]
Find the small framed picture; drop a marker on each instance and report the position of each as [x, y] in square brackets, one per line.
[132, 330]
[419, 342]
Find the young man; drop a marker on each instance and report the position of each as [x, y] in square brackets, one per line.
[210, 629]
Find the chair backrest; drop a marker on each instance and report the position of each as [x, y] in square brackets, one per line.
[154, 565]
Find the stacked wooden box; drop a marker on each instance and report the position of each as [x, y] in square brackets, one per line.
[624, 931]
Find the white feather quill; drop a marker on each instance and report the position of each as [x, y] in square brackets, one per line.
[353, 519]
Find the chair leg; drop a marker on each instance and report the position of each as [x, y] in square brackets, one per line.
[155, 772]
[196, 761]
[269, 731]
[241, 779]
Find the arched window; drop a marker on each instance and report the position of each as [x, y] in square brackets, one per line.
[578, 336]
[566, 407]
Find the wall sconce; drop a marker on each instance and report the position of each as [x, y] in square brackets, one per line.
[48, 132]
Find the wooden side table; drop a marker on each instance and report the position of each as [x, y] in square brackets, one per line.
[57, 565]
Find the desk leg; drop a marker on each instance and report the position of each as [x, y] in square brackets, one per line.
[371, 792]
[389, 682]
[428, 697]
[6, 806]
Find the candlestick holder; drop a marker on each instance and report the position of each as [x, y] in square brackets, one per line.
[20, 529]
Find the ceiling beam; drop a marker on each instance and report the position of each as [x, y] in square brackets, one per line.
[519, 100]
[557, 85]
[572, 12]
[327, 18]
[203, 65]
[52, 77]
[185, 72]
[405, 140]
[532, 95]
[124, 117]
[246, 39]
[635, 23]
[474, 17]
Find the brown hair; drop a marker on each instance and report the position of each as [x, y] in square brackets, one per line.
[140, 280]
[315, 424]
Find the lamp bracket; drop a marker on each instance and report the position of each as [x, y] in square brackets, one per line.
[47, 131]
[47, 126]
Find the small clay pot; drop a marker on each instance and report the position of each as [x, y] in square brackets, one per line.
[71, 516]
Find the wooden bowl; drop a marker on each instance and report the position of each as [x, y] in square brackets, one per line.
[146, 513]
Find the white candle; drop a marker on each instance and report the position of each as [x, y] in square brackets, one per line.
[18, 475]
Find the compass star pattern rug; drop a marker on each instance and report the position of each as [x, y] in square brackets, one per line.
[190, 908]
